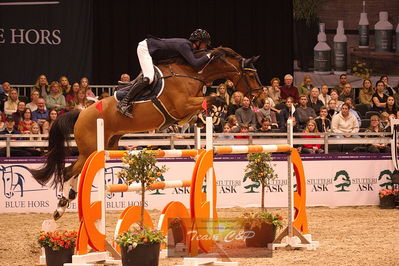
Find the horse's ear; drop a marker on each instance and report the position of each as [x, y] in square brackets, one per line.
[255, 58]
[248, 61]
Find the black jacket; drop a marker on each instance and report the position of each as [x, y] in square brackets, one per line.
[168, 48]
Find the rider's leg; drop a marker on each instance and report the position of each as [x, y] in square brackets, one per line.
[145, 60]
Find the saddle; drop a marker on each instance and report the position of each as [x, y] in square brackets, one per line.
[148, 93]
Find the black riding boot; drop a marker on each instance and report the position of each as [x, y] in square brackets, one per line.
[125, 106]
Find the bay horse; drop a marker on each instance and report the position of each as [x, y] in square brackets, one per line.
[182, 98]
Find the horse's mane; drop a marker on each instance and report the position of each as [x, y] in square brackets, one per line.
[228, 52]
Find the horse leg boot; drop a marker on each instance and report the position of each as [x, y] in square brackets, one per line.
[124, 106]
[63, 202]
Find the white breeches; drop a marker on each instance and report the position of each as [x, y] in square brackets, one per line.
[145, 60]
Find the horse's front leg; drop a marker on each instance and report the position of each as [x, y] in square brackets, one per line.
[69, 192]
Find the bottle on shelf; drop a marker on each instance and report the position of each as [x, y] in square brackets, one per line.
[322, 53]
[363, 28]
[340, 49]
[383, 33]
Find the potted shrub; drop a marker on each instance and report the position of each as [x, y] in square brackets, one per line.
[260, 226]
[59, 246]
[140, 245]
[387, 198]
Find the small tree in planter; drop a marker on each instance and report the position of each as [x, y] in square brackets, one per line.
[263, 224]
[136, 244]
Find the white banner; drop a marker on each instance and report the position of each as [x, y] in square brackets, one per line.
[329, 183]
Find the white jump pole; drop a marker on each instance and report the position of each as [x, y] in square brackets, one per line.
[99, 180]
[197, 136]
[209, 174]
[290, 190]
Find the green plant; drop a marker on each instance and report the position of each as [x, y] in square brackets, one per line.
[259, 169]
[387, 192]
[141, 167]
[255, 219]
[139, 235]
[306, 10]
[361, 70]
[57, 240]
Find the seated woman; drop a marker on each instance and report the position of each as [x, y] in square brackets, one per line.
[266, 112]
[286, 112]
[55, 99]
[26, 124]
[334, 96]
[34, 96]
[52, 115]
[322, 121]
[366, 93]
[233, 123]
[375, 127]
[73, 92]
[311, 127]
[81, 101]
[226, 129]
[10, 106]
[379, 98]
[391, 106]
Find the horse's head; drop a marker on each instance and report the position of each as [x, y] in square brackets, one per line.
[226, 63]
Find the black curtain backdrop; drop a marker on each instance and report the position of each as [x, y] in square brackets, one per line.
[53, 39]
[252, 27]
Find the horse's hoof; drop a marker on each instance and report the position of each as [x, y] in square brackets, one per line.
[56, 215]
[72, 194]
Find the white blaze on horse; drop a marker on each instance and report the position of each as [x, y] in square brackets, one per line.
[180, 100]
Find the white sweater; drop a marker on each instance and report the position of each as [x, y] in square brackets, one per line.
[341, 124]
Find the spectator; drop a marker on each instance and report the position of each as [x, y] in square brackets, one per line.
[343, 79]
[41, 85]
[324, 97]
[19, 114]
[314, 101]
[266, 126]
[266, 112]
[322, 121]
[81, 100]
[125, 78]
[226, 129]
[236, 102]
[34, 96]
[72, 92]
[389, 91]
[6, 87]
[384, 120]
[391, 106]
[379, 98]
[345, 123]
[10, 106]
[266, 96]
[103, 95]
[230, 87]
[221, 91]
[53, 114]
[366, 93]
[352, 110]
[274, 90]
[34, 130]
[26, 124]
[41, 114]
[244, 128]
[288, 89]
[245, 115]
[375, 127]
[84, 84]
[287, 112]
[306, 85]
[55, 99]
[304, 112]
[347, 93]
[332, 109]
[2, 121]
[338, 103]
[65, 87]
[311, 127]
[233, 123]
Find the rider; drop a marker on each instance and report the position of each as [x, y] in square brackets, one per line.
[158, 49]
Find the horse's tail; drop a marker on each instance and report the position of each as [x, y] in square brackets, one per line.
[55, 163]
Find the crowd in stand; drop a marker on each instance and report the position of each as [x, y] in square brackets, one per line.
[312, 109]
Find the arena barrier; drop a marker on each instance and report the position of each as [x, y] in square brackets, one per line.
[202, 204]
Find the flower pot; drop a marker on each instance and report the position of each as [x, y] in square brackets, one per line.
[141, 255]
[387, 202]
[262, 236]
[58, 257]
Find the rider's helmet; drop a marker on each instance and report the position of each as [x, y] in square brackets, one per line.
[200, 35]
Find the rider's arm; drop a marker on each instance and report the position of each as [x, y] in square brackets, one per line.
[187, 53]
